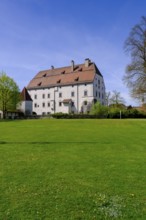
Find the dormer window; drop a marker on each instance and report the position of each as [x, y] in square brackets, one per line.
[44, 75]
[77, 79]
[39, 84]
[59, 81]
[63, 72]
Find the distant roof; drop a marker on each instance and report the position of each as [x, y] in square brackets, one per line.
[76, 74]
[25, 95]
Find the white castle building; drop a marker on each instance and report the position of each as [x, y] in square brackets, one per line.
[70, 89]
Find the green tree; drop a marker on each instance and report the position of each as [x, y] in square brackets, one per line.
[100, 110]
[9, 94]
[135, 76]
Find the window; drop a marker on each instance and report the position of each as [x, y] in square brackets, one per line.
[35, 105]
[43, 104]
[48, 95]
[35, 96]
[72, 94]
[85, 93]
[99, 94]
[60, 103]
[98, 84]
[60, 95]
[85, 102]
[72, 104]
[48, 104]
[43, 96]
[96, 93]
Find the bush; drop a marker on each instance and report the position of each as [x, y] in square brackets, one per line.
[134, 113]
[73, 116]
[99, 110]
[115, 113]
[125, 113]
[103, 112]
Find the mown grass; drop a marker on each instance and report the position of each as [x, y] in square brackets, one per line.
[73, 169]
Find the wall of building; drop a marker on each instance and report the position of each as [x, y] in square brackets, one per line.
[50, 100]
[26, 107]
[99, 89]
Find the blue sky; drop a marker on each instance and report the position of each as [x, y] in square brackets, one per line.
[35, 34]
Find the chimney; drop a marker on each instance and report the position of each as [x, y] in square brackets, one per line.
[52, 67]
[87, 62]
[72, 65]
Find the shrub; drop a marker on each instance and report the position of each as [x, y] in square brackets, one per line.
[99, 110]
[73, 116]
[114, 112]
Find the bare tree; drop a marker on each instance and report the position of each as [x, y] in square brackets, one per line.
[116, 99]
[107, 98]
[135, 76]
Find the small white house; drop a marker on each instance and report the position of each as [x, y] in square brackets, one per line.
[26, 102]
[70, 89]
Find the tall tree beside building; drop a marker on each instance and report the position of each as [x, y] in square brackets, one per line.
[9, 94]
[135, 76]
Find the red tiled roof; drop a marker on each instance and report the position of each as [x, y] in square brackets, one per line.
[25, 95]
[64, 76]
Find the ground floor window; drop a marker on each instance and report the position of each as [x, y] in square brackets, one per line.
[85, 102]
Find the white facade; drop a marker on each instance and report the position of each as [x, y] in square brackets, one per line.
[71, 89]
[26, 107]
[68, 99]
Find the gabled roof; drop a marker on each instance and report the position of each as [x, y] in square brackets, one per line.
[69, 75]
[25, 95]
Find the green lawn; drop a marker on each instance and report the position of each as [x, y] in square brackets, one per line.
[72, 169]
